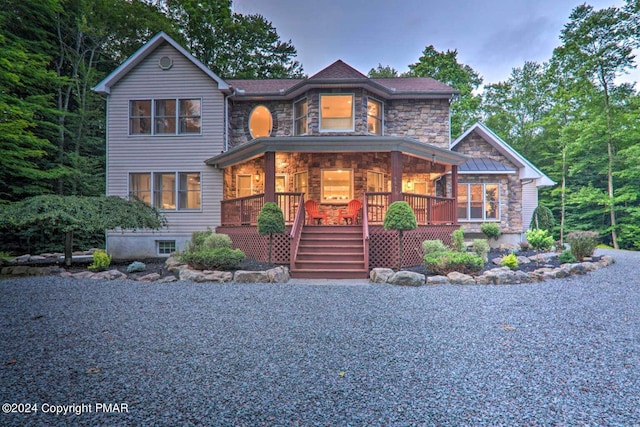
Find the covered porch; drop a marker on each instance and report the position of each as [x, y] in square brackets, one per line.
[332, 171]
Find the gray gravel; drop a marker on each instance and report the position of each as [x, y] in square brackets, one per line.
[564, 352]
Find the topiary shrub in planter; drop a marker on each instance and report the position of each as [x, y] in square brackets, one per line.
[583, 243]
[491, 230]
[213, 259]
[446, 262]
[400, 217]
[270, 221]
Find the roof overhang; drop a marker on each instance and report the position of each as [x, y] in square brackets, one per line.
[335, 144]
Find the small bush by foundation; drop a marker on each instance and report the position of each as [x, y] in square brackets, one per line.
[583, 243]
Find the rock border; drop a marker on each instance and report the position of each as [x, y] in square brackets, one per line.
[495, 276]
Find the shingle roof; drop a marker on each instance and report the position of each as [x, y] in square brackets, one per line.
[413, 84]
[338, 70]
[264, 86]
[484, 164]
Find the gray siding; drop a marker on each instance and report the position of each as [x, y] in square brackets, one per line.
[180, 153]
[529, 203]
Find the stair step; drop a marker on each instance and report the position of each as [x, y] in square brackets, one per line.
[323, 256]
[329, 274]
[329, 265]
[337, 251]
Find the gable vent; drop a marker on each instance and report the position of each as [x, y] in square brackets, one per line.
[165, 63]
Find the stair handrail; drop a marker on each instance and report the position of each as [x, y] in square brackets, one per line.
[296, 232]
[365, 231]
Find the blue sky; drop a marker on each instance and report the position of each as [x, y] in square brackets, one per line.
[492, 36]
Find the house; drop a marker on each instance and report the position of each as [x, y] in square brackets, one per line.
[210, 152]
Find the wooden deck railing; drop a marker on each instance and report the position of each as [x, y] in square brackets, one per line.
[429, 210]
[365, 233]
[245, 210]
[296, 232]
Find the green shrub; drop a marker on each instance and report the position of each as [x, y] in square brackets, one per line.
[491, 230]
[136, 267]
[5, 256]
[430, 246]
[400, 217]
[539, 239]
[481, 248]
[510, 261]
[216, 240]
[566, 257]
[270, 221]
[197, 240]
[457, 240]
[213, 259]
[583, 243]
[448, 261]
[101, 261]
[542, 218]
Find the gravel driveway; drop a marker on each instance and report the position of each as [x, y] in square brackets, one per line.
[564, 352]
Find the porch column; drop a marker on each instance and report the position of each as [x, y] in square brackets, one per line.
[269, 176]
[396, 176]
[454, 190]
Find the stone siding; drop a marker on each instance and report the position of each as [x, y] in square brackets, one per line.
[510, 185]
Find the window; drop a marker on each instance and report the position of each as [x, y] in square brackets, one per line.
[244, 185]
[159, 189]
[301, 182]
[189, 190]
[166, 118]
[140, 186]
[300, 111]
[374, 116]
[281, 183]
[478, 202]
[140, 117]
[260, 122]
[375, 181]
[165, 247]
[337, 185]
[336, 112]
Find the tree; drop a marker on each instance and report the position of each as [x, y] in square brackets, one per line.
[69, 214]
[598, 46]
[444, 67]
[383, 72]
[270, 221]
[400, 217]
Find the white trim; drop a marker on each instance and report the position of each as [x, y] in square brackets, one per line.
[253, 110]
[353, 112]
[381, 115]
[176, 189]
[468, 218]
[527, 169]
[306, 132]
[336, 201]
[104, 87]
[153, 118]
[250, 181]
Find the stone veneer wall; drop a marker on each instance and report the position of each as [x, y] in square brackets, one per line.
[424, 120]
[510, 185]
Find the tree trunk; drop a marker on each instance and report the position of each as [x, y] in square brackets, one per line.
[612, 205]
[68, 248]
[562, 193]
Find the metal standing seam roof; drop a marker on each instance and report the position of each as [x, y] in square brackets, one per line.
[483, 164]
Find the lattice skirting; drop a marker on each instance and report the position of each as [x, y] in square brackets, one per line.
[255, 246]
[383, 244]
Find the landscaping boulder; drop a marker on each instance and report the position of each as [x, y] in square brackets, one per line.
[242, 276]
[437, 280]
[206, 275]
[380, 275]
[151, 277]
[108, 275]
[407, 278]
[457, 278]
[278, 275]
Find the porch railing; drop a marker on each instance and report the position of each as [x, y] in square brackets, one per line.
[429, 210]
[365, 233]
[245, 210]
[296, 232]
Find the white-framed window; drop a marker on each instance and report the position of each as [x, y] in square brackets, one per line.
[301, 182]
[336, 185]
[244, 185]
[300, 113]
[260, 122]
[374, 116]
[281, 183]
[336, 112]
[159, 189]
[165, 247]
[375, 181]
[479, 202]
[172, 116]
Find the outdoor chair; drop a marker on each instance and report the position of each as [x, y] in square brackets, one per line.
[313, 212]
[351, 215]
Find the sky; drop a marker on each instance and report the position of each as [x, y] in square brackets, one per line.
[491, 36]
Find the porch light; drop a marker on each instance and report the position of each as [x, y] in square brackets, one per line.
[257, 177]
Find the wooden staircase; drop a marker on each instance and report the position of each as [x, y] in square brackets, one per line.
[330, 252]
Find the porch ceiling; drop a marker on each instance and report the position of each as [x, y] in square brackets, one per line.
[336, 144]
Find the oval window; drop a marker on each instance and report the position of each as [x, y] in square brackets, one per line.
[260, 122]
